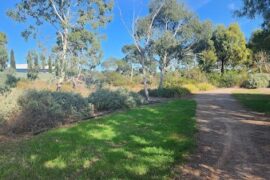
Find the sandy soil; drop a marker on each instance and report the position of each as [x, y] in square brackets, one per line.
[233, 143]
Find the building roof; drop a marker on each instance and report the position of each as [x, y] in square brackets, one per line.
[21, 66]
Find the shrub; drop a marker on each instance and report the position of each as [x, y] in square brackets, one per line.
[11, 81]
[205, 86]
[191, 87]
[104, 99]
[32, 75]
[4, 89]
[167, 92]
[257, 81]
[194, 74]
[228, 79]
[45, 109]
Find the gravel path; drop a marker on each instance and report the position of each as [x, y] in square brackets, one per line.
[233, 143]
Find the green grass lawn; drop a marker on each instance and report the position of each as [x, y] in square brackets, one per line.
[142, 143]
[254, 100]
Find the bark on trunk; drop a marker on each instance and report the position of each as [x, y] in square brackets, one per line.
[162, 70]
[63, 60]
[222, 67]
[145, 84]
[161, 77]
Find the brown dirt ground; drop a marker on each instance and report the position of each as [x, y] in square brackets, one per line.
[233, 143]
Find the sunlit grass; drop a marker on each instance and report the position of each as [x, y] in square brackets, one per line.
[256, 100]
[142, 143]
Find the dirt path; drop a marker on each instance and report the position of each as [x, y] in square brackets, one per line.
[233, 143]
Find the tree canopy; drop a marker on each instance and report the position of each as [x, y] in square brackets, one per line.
[230, 45]
[76, 24]
[251, 8]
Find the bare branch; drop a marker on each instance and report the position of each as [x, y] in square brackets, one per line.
[56, 12]
[152, 21]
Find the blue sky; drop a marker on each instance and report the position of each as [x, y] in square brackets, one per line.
[218, 11]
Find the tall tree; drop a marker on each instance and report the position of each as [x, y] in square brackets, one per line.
[50, 65]
[42, 58]
[3, 51]
[76, 23]
[142, 34]
[251, 8]
[12, 60]
[32, 72]
[176, 31]
[230, 45]
[260, 41]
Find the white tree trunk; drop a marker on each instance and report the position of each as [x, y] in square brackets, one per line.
[61, 79]
[162, 67]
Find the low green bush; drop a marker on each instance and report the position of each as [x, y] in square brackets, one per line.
[117, 79]
[4, 89]
[228, 79]
[11, 81]
[45, 109]
[259, 80]
[105, 99]
[167, 92]
[194, 75]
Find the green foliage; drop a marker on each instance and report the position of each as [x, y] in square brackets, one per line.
[7, 81]
[50, 65]
[167, 92]
[194, 75]
[3, 51]
[142, 143]
[260, 41]
[230, 46]
[104, 99]
[11, 80]
[228, 79]
[33, 67]
[77, 29]
[4, 89]
[207, 60]
[117, 79]
[43, 61]
[257, 81]
[12, 59]
[252, 8]
[45, 109]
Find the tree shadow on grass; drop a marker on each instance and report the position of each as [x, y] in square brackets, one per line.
[142, 143]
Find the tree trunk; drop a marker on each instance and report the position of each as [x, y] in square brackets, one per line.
[222, 67]
[161, 77]
[145, 84]
[131, 73]
[63, 59]
[146, 93]
[162, 70]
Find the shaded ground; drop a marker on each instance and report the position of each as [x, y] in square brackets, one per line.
[233, 143]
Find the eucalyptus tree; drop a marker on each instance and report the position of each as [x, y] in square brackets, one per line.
[50, 65]
[251, 8]
[12, 60]
[76, 23]
[43, 61]
[32, 63]
[176, 31]
[3, 51]
[142, 33]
